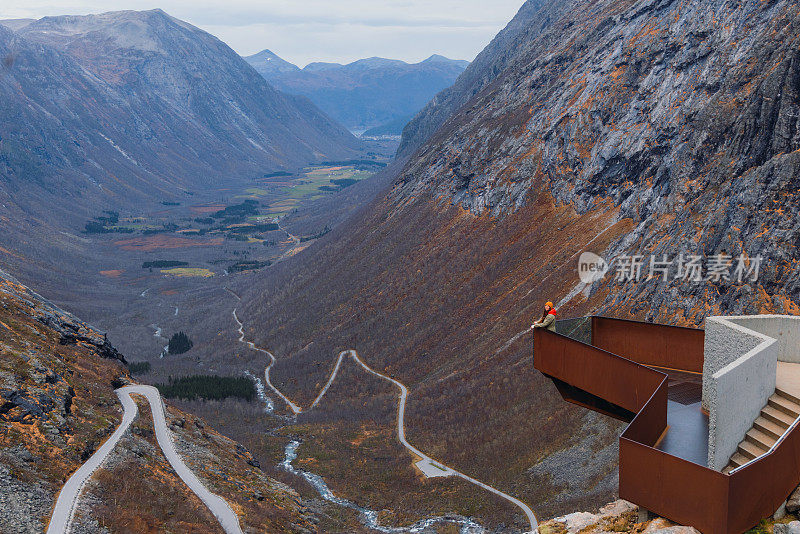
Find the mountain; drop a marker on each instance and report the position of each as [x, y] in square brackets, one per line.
[268, 64]
[135, 104]
[365, 93]
[394, 127]
[621, 128]
[123, 111]
[506, 46]
[57, 407]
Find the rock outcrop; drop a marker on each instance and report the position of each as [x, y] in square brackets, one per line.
[681, 118]
[618, 516]
[792, 527]
[71, 330]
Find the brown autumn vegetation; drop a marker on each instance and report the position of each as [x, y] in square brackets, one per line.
[160, 241]
[138, 491]
[431, 295]
[350, 439]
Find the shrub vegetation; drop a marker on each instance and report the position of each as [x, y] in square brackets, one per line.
[344, 182]
[238, 212]
[248, 265]
[163, 264]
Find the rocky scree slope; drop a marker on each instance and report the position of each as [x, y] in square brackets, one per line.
[57, 405]
[647, 127]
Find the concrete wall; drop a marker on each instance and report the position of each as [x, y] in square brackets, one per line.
[738, 378]
[785, 329]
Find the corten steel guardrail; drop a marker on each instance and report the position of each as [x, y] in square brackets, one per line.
[659, 345]
[685, 492]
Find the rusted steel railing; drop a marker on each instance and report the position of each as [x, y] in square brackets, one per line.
[659, 345]
[617, 370]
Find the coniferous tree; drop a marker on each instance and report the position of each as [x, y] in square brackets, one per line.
[179, 343]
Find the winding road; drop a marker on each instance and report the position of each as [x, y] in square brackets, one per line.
[291, 250]
[292, 406]
[68, 497]
[401, 410]
[401, 435]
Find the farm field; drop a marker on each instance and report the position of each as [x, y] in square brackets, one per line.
[282, 196]
[228, 231]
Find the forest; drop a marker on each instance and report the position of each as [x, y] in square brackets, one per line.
[208, 387]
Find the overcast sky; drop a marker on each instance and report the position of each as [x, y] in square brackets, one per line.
[302, 31]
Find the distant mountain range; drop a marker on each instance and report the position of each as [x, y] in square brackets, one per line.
[134, 104]
[369, 93]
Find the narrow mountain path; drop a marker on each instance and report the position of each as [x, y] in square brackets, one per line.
[401, 410]
[401, 435]
[324, 390]
[68, 497]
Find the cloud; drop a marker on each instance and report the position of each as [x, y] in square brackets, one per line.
[319, 30]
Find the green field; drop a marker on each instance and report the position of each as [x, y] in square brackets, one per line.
[246, 217]
[284, 199]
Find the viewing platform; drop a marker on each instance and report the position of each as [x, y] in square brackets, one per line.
[713, 439]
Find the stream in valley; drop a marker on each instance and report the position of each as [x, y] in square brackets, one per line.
[369, 518]
[269, 405]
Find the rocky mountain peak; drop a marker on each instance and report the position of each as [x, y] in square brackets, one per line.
[267, 62]
[145, 31]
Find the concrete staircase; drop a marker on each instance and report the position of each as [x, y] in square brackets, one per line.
[777, 416]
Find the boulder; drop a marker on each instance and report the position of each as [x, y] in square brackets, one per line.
[577, 521]
[780, 513]
[787, 528]
[616, 508]
[657, 524]
[793, 504]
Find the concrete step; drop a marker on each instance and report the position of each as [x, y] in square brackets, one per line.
[737, 460]
[760, 439]
[768, 427]
[778, 417]
[783, 404]
[786, 395]
[750, 450]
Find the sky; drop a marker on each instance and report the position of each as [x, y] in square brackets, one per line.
[302, 31]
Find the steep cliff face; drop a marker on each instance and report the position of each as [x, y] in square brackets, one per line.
[644, 128]
[683, 116]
